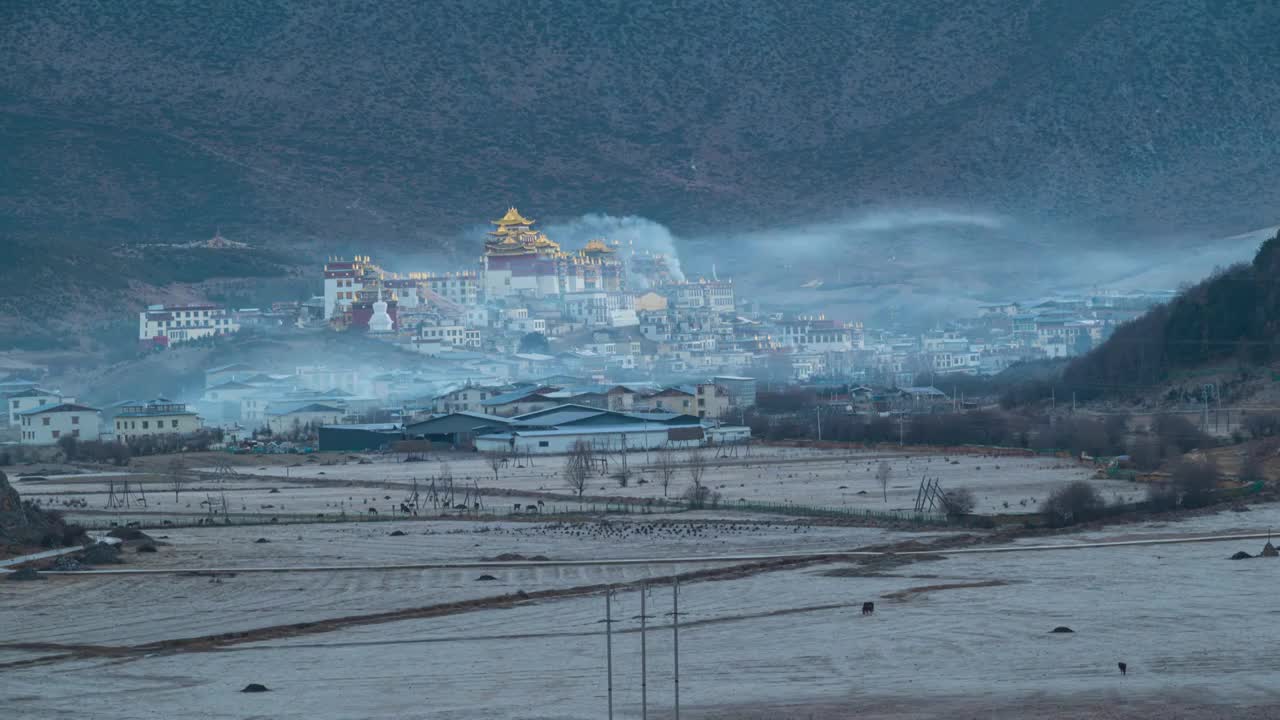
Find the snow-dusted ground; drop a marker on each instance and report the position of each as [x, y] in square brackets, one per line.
[346, 544]
[772, 475]
[161, 607]
[128, 610]
[1184, 619]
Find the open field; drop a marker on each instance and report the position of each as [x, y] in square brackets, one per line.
[961, 632]
[953, 635]
[836, 478]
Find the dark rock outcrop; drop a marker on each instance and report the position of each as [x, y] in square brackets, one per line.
[24, 525]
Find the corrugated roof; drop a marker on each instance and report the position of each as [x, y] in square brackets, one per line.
[558, 418]
[585, 430]
[312, 407]
[60, 407]
[513, 396]
[155, 413]
[30, 392]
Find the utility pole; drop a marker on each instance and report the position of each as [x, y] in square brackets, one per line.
[608, 643]
[675, 637]
[818, 411]
[644, 661]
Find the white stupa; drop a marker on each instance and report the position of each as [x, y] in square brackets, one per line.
[380, 321]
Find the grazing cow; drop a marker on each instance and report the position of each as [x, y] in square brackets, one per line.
[373, 511]
[868, 608]
[530, 508]
[460, 506]
[516, 507]
[1124, 669]
[168, 522]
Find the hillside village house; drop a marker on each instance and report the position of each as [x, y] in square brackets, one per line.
[49, 424]
[160, 326]
[31, 398]
[519, 401]
[713, 401]
[295, 419]
[671, 399]
[152, 418]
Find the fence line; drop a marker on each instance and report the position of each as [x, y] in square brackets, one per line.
[108, 520]
[839, 512]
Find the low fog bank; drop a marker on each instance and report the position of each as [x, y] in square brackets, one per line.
[919, 265]
[907, 266]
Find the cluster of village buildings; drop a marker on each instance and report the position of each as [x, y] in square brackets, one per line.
[535, 326]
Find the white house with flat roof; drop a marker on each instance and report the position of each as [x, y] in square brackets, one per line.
[30, 398]
[48, 424]
[154, 417]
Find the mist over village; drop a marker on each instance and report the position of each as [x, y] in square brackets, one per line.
[569, 360]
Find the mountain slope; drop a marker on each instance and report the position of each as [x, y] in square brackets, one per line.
[402, 123]
[1233, 315]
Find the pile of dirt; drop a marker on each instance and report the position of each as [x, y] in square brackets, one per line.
[517, 557]
[255, 688]
[1242, 555]
[1062, 629]
[66, 563]
[26, 573]
[101, 554]
[23, 525]
[507, 557]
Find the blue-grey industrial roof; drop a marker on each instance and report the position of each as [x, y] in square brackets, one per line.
[558, 418]
[513, 396]
[584, 430]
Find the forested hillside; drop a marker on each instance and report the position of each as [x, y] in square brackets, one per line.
[1233, 315]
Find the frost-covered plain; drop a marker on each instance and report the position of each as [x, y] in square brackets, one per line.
[967, 629]
[769, 475]
[459, 541]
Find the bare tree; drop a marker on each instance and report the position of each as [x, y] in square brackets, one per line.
[176, 467]
[883, 473]
[700, 496]
[1196, 480]
[958, 501]
[696, 466]
[496, 461]
[577, 467]
[666, 462]
[1075, 502]
[619, 453]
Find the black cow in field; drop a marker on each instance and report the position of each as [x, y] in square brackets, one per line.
[1124, 669]
[868, 608]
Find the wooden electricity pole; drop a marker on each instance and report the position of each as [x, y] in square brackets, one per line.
[675, 637]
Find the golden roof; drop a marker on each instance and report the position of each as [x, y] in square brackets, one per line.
[513, 217]
[594, 246]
